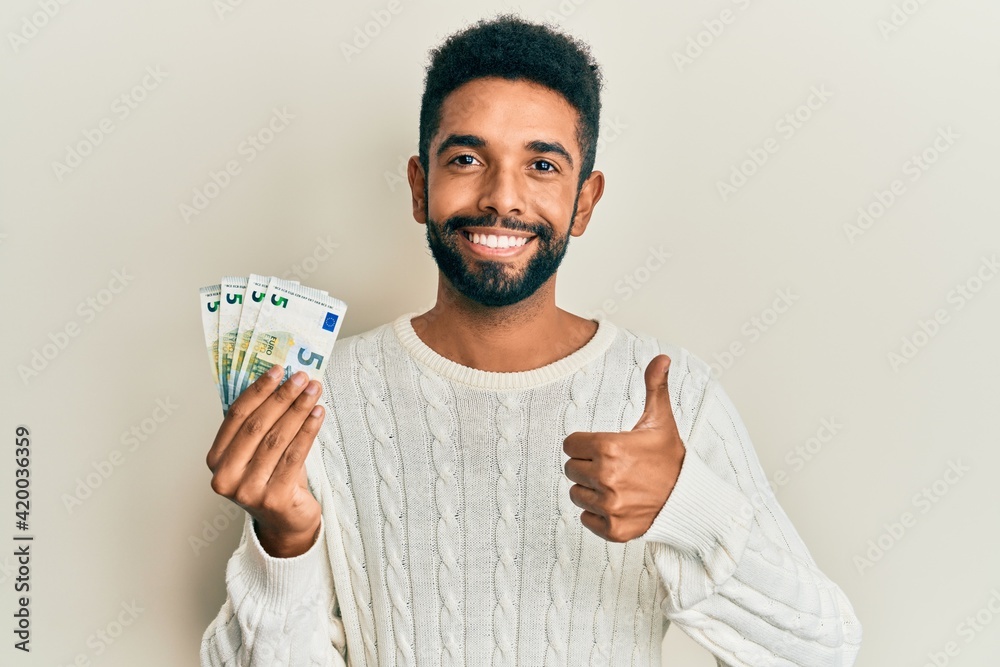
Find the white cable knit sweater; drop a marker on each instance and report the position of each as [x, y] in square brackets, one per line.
[449, 538]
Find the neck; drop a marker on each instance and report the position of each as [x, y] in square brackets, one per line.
[520, 337]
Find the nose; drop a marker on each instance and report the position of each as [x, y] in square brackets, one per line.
[502, 193]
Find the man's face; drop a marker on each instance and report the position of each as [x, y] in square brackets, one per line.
[504, 163]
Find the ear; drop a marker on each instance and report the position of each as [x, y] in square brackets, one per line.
[418, 180]
[590, 194]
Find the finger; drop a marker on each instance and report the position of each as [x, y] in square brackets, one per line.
[586, 499]
[273, 445]
[242, 407]
[581, 472]
[287, 470]
[657, 412]
[595, 523]
[580, 445]
[259, 422]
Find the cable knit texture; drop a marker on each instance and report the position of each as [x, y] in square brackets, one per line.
[449, 538]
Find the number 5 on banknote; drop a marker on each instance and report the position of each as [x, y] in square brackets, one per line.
[252, 324]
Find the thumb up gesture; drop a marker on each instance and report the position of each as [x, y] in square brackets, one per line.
[624, 479]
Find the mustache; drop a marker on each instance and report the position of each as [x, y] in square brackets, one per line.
[457, 222]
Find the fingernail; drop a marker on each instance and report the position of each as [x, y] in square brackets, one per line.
[316, 411]
[298, 379]
[312, 388]
[274, 371]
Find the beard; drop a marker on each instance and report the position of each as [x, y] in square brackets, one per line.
[495, 283]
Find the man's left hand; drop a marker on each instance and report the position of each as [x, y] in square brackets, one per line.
[624, 479]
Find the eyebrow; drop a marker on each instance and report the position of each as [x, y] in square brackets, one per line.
[473, 141]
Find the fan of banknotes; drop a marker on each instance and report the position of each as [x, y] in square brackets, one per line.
[253, 323]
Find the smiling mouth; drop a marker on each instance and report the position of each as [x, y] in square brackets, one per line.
[496, 241]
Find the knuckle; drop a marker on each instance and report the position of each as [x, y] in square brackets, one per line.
[253, 425]
[271, 440]
[243, 496]
[220, 486]
[292, 457]
[602, 472]
[615, 530]
[314, 425]
[309, 430]
[613, 505]
[610, 449]
[270, 503]
[236, 412]
[608, 475]
[302, 404]
[257, 386]
[286, 392]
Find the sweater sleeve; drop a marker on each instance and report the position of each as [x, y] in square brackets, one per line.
[738, 578]
[277, 610]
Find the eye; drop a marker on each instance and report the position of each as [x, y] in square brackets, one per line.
[546, 163]
[462, 157]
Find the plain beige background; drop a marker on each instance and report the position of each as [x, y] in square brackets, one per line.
[868, 86]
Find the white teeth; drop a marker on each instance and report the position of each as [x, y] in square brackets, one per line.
[497, 241]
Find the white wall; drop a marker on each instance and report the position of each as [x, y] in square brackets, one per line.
[672, 133]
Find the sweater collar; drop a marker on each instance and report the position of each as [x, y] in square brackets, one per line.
[557, 370]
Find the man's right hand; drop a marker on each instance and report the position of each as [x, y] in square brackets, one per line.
[258, 459]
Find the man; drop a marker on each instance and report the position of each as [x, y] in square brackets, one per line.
[498, 481]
